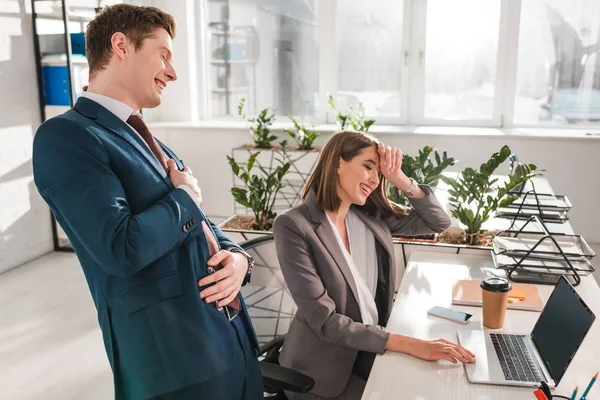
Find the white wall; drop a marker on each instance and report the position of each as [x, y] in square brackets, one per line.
[571, 164]
[25, 230]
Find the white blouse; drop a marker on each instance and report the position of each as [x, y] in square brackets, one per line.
[362, 261]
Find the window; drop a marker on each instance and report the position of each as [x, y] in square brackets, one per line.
[265, 52]
[460, 59]
[370, 56]
[558, 68]
[501, 63]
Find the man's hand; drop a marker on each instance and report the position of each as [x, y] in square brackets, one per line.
[228, 279]
[184, 177]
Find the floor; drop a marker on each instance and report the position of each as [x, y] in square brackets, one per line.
[50, 343]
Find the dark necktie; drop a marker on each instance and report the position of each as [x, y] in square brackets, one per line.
[136, 121]
[213, 248]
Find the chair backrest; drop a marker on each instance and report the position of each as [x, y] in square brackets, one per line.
[269, 302]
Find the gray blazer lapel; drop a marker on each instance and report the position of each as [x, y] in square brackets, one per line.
[108, 120]
[329, 240]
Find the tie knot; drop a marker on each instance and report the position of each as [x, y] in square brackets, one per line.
[136, 121]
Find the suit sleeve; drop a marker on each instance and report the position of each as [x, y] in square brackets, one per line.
[310, 295]
[427, 216]
[73, 174]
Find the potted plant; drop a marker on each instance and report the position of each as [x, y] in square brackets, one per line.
[353, 119]
[474, 195]
[257, 191]
[304, 136]
[260, 126]
[422, 170]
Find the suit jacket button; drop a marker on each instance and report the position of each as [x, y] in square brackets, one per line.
[210, 270]
[194, 220]
[185, 228]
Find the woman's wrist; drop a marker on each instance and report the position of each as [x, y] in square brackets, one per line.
[402, 182]
[400, 343]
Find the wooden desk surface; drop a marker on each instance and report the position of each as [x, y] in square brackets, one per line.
[428, 282]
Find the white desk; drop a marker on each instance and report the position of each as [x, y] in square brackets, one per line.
[428, 282]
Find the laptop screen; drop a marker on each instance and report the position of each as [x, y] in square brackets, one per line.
[561, 328]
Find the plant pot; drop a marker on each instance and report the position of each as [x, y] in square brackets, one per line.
[458, 236]
[237, 228]
[433, 238]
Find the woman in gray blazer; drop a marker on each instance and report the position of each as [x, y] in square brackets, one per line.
[336, 254]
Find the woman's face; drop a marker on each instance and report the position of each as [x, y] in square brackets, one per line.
[359, 177]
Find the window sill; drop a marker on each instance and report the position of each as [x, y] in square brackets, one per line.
[556, 133]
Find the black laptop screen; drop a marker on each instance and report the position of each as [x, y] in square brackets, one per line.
[561, 327]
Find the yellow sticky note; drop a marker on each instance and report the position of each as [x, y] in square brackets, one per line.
[513, 300]
[517, 294]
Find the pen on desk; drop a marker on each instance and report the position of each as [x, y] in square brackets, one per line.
[589, 387]
[540, 395]
[574, 393]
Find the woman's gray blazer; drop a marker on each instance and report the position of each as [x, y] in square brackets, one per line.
[327, 332]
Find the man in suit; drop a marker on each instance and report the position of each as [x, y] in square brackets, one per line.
[164, 279]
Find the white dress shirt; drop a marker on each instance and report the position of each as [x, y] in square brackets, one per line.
[123, 111]
[362, 263]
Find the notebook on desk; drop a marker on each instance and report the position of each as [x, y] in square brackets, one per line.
[521, 297]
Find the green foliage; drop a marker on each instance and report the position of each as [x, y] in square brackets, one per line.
[303, 135]
[260, 189]
[422, 170]
[354, 118]
[260, 127]
[472, 197]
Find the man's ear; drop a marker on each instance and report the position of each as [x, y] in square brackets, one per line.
[118, 43]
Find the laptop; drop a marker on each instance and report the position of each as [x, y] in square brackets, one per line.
[520, 359]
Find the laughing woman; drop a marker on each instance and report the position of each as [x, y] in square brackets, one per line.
[336, 254]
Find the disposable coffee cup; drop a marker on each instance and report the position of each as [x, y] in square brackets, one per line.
[494, 295]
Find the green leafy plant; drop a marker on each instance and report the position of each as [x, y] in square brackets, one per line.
[260, 189]
[303, 135]
[473, 198]
[354, 118]
[422, 170]
[260, 126]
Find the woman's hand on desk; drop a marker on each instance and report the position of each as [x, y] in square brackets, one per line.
[430, 350]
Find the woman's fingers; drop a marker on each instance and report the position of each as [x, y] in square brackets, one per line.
[455, 353]
[398, 159]
[446, 356]
[470, 353]
[463, 352]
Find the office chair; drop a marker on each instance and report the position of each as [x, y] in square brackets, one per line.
[271, 308]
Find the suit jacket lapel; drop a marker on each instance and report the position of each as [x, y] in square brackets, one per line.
[329, 240]
[108, 120]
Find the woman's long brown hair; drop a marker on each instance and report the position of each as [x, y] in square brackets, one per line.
[346, 145]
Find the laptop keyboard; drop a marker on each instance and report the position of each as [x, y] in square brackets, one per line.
[515, 359]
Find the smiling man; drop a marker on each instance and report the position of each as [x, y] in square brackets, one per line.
[164, 279]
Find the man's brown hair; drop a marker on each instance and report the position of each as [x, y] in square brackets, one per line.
[137, 23]
[324, 180]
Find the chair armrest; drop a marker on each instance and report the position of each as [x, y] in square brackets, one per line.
[274, 345]
[276, 376]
